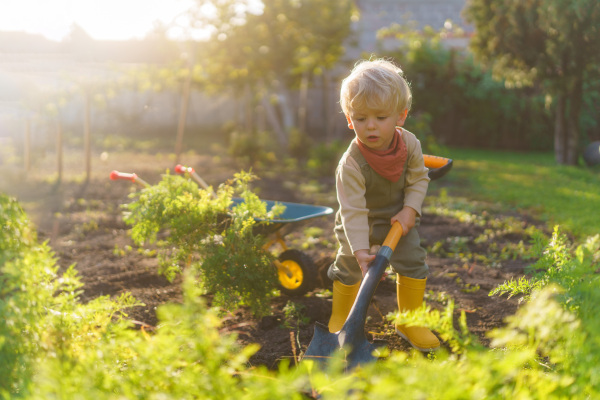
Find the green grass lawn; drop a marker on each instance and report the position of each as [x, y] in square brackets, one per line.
[560, 195]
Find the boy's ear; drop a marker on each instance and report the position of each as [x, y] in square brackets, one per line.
[349, 122]
[402, 117]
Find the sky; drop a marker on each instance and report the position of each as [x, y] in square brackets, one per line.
[101, 19]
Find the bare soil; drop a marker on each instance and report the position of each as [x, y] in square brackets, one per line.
[84, 226]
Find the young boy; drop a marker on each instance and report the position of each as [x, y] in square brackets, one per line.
[381, 178]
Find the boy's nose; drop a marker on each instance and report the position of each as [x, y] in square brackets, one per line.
[370, 124]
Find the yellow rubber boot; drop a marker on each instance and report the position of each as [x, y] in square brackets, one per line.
[410, 297]
[343, 299]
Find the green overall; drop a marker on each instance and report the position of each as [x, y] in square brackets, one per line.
[384, 199]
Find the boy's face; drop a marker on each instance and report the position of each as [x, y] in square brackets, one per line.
[375, 128]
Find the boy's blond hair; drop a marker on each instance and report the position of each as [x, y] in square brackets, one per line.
[375, 85]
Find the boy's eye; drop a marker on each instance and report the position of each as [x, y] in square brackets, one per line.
[381, 118]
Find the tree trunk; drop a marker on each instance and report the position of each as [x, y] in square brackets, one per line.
[572, 140]
[248, 110]
[59, 152]
[302, 109]
[239, 110]
[87, 138]
[273, 120]
[272, 116]
[287, 111]
[185, 101]
[327, 117]
[261, 119]
[560, 133]
[27, 147]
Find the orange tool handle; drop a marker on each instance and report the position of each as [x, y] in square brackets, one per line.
[393, 236]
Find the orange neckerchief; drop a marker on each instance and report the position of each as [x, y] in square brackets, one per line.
[387, 163]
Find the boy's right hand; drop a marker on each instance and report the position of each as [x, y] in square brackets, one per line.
[364, 259]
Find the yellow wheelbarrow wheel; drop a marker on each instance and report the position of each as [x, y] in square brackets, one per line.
[296, 272]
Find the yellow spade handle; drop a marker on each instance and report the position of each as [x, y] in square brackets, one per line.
[394, 235]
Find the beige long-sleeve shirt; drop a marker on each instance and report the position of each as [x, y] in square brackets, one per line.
[350, 186]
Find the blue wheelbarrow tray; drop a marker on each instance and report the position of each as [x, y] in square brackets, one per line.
[294, 212]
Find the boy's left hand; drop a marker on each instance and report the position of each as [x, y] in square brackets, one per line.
[407, 217]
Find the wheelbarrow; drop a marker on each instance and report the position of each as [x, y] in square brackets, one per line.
[351, 339]
[296, 271]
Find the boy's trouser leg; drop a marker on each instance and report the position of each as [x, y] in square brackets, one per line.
[343, 299]
[410, 294]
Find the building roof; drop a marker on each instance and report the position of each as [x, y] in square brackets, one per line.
[377, 14]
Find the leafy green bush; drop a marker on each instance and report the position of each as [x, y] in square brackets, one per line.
[468, 106]
[215, 239]
[556, 265]
[16, 233]
[573, 280]
[186, 358]
[41, 319]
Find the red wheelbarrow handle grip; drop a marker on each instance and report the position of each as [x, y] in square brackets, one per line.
[180, 169]
[114, 175]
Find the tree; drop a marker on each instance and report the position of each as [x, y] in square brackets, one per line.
[269, 48]
[44, 107]
[555, 43]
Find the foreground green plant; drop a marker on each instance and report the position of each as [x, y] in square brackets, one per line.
[211, 235]
[571, 274]
[41, 318]
[557, 264]
[53, 347]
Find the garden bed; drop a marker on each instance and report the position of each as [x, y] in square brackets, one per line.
[84, 225]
